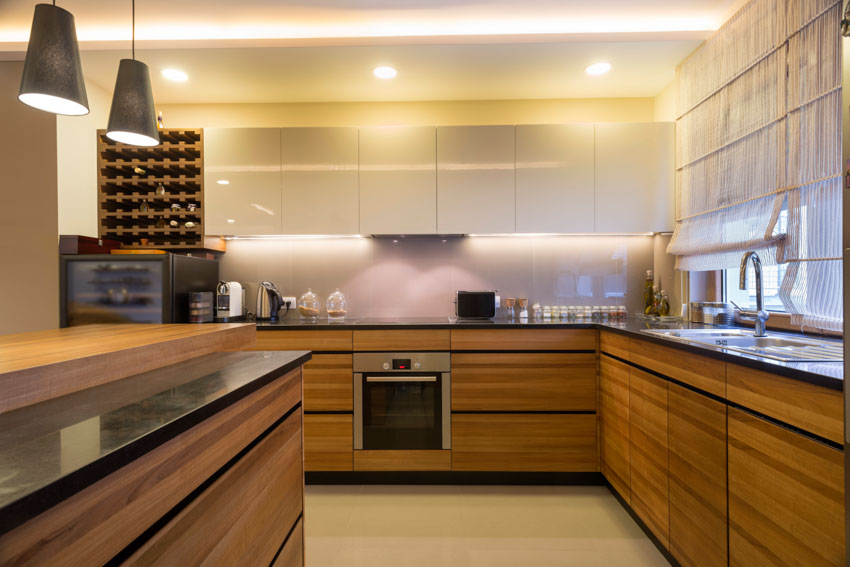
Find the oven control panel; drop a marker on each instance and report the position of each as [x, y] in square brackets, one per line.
[404, 362]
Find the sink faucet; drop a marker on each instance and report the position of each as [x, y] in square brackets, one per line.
[759, 315]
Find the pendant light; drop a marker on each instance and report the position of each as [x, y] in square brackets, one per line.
[132, 118]
[53, 76]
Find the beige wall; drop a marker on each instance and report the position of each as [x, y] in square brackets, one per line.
[29, 243]
[76, 138]
[665, 103]
[427, 113]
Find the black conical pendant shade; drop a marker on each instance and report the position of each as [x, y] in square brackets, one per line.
[53, 76]
[132, 118]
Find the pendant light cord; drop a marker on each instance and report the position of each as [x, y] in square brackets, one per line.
[133, 19]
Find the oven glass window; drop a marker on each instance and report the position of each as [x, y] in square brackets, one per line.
[402, 412]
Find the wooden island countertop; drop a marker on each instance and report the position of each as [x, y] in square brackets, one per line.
[41, 365]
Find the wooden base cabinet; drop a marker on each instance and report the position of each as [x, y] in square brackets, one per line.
[328, 442]
[243, 517]
[648, 452]
[524, 442]
[697, 475]
[786, 497]
[614, 424]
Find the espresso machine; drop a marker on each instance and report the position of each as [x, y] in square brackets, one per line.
[229, 302]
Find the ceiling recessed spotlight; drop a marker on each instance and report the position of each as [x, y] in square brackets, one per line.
[223, 182]
[231, 221]
[384, 72]
[598, 69]
[175, 75]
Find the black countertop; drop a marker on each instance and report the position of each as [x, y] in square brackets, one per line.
[52, 450]
[826, 374]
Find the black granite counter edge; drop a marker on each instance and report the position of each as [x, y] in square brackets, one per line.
[20, 511]
[741, 359]
[751, 361]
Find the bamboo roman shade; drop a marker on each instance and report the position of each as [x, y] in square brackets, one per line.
[759, 148]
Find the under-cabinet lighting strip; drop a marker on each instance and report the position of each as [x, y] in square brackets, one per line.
[497, 235]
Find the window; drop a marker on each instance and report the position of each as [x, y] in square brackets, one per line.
[771, 279]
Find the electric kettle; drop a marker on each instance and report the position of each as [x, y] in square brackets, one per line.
[269, 302]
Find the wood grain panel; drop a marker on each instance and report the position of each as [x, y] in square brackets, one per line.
[401, 340]
[321, 341]
[786, 497]
[648, 451]
[614, 344]
[43, 365]
[809, 407]
[524, 442]
[92, 526]
[243, 517]
[524, 339]
[292, 554]
[328, 383]
[697, 474]
[523, 382]
[614, 424]
[402, 460]
[702, 372]
[328, 442]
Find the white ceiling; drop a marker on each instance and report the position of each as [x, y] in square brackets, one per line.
[425, 72]
[324, 50]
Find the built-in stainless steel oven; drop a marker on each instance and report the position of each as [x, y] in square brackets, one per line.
[402, 400]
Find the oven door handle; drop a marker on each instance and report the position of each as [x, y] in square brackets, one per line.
[401, 379]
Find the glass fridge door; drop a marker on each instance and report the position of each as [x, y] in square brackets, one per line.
[104, 291]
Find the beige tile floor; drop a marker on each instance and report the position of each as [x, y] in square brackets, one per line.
[470, 526]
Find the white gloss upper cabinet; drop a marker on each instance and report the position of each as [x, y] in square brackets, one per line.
[554, 178]
[248, 160]
[475, 179]
[635, 177]
[320, 180]
[398, 180]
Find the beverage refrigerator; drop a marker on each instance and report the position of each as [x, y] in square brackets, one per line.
[137, 288]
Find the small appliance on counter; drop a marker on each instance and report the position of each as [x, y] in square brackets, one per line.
[229, 302]
[475, 304]
[201, 307]
[269, 302]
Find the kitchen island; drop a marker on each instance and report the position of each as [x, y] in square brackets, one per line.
[200, 458]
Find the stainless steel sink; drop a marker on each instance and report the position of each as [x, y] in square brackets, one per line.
[787, 348]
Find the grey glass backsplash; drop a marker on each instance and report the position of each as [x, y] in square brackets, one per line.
[417, 277]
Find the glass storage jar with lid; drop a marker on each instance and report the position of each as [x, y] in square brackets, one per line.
[335, 306]
[308, 305]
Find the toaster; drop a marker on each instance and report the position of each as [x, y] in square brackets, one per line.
[475, 304]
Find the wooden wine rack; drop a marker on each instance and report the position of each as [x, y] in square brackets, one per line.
[178, 165]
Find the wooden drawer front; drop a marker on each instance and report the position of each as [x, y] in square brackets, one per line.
[90, 527]
[523, 382]
[614, 424]
[414, 339]
[701, 372]
[292, 554]
[242, 518]
[524, 339]
[698, 507]
[614, 344]
[811, 408]
[648, 451]
[303, 340]
[328, 442]
[328, 383]
[786, 497]
[402, 460]
[523, 442]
